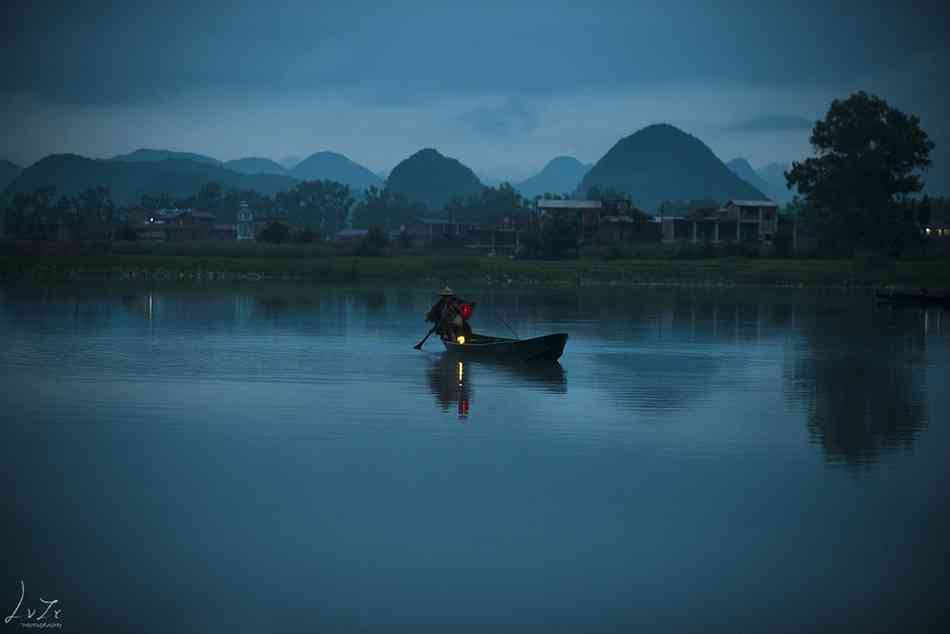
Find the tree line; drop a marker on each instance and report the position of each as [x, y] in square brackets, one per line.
[859, 192]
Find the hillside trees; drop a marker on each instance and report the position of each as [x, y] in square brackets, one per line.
[318, 205]
[385, 208]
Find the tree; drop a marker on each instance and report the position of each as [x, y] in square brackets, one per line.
[29, 215]
[275, 233]
[210, 197]
[94, 207]
[492, 206]
[320, 205]
[556, 237]
[304, 236]
[500, 203]
[154, 202]
[858, 189]
[374, 243]
[385, 208]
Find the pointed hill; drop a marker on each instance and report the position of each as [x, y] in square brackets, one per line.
[255, 165]
[741, 168]
[774, 175]
[430, 178]
[145, 155]
[8, 171]
[129, 180]
[661, 162]
[561, 175]
[335, 167]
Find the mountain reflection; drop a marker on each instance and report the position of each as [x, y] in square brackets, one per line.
[694, 343]
[857, 371]
[452, 381]
[862, 401]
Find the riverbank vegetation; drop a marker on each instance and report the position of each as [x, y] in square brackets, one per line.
[293, 262]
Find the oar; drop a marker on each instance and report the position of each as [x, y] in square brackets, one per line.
[418, 346]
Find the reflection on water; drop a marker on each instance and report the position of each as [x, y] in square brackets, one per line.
[862, 378]
[689, 477]
[452, 381]
[450, 385]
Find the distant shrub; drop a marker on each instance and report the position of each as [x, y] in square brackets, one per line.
[126, 233]
[275, 233]
[373, 243]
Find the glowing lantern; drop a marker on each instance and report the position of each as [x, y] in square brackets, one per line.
[460, 339]
[466, 310]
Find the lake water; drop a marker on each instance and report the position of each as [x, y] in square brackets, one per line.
[281, 459]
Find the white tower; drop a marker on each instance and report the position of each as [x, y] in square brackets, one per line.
[245, 222]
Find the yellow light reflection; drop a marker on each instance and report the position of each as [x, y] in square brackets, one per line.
[461, 372]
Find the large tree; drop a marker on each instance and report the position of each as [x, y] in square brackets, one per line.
[28, 215]
[858, 189]
[94, 207]
[320, 205]
[491, 206]
[386, 208]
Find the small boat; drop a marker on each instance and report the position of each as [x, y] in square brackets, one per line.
[914, 299]
[475, 346]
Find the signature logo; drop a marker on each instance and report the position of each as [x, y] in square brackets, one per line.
[33, 617]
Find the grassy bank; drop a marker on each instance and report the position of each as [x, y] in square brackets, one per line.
[319, 267]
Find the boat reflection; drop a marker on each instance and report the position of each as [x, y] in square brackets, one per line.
[452, 381]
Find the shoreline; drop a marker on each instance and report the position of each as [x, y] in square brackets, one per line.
[477, 271]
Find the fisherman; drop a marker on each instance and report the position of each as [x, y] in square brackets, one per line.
[447, 315]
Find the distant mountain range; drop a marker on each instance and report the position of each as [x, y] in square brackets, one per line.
[145, 155]
[770, 180]
[289, 162]
[129, 180]
[319, 166]
[8, 171]
[335, 167]
[255, 165]
[655, 164]
[661, 162]
[147, 171]
[561, 175]
[430, 178]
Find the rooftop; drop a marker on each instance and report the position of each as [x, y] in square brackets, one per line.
[569, 204]
[751, 203]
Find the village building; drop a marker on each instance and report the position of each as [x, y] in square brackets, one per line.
[350, 236]
[938, 225]
[494, 240]
[246, 229]
[602, 221]
[585, 213]
[736, 221]
[425, 231]
[172, 225]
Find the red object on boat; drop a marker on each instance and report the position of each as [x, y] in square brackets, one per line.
[466, 310]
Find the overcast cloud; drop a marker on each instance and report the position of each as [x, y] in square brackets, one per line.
[502, 88]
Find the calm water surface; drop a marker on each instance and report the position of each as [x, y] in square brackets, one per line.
[281, 459]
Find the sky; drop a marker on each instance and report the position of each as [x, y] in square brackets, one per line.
[503, 87]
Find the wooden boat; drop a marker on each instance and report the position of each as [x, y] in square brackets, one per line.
[914, 299]
[546, 348]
